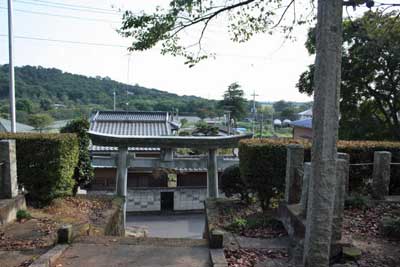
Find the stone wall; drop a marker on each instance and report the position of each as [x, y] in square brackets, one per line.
[299, 132]
[149, 199]
[115, 225]
[9, 208]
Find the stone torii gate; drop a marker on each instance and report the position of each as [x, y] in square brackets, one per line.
[166, 143]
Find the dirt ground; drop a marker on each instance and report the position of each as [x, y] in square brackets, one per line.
[361, 227]
[22, 242]
[256, 223]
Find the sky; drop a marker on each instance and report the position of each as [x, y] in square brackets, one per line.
[266, 65]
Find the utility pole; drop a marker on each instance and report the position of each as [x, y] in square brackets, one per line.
[114, 99]
[127, 80]
[254, 111]
[229, 122]
[11, 67]
[262, 125]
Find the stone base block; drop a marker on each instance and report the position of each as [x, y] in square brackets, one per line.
[64, 234]
[295, 225]
[216, 239]
[292, 220]
[217, 257]
[392, 199]
[9, 208]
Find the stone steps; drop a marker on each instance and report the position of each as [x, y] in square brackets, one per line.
[147, 241]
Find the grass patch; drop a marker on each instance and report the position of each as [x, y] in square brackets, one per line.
[23, 215]
[356, 202]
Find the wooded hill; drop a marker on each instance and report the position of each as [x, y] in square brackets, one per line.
[65, 95]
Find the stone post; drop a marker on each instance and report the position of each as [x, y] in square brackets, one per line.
[294, 171]
[167, 154]
[304, 190]
[122, 177]
[346, 167]
[381, 174]
[8, 169]
[212, 173]
[327, 77]
[122, 171]
[340, 193]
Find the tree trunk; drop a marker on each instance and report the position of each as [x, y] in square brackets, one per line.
[327, 77]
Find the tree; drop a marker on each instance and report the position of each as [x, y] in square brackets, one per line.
[289, 113]
[40, 121]
[64, 95]
[246, 18]
[234, 102]
[84, 172]
[24, 105]
[281, 105]
[45, 104]
[232, 184]
[370, 94]
[148, 30]
[204, 128]
[184, 121]
[268, 111]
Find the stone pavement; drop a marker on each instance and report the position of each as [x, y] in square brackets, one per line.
[234, 241]
[129, 252]
[175, 225]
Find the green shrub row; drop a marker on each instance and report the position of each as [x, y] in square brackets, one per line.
[263, 163]
[45, 164]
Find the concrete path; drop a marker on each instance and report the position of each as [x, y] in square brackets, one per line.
[234, 241]
[170, 226]
[124, 252]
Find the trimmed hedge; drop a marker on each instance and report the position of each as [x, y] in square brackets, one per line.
[263, 163]
[232, 183]
[45, 164]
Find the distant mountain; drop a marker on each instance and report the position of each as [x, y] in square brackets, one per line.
[65, 95]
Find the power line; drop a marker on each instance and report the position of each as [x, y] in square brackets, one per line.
[61, 16]
[67, 8]
[75, 6]
[64, 41]
[112, 45]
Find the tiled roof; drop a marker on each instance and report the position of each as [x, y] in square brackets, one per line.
[131, 116]
[131, 128]
[6, 124]
[114, 149]
[307, 112]
[306, 123]
[137, 123]
[132, 123]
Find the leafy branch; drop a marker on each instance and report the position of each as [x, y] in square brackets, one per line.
[246, 18]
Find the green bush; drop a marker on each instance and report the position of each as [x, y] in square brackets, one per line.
[45, 164]
[263, 164]
[390, 227]
[363, 152]
[263, 167]
[238, 224]
[262, 221]
[23, 215]
[232, 184]
[356, 202]
[84, 172]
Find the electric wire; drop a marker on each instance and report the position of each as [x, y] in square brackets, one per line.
[67, 8]
[61, 16]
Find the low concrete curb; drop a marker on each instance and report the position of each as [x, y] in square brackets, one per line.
[217, 258]
[50, 257]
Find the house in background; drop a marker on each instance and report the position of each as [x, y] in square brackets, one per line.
[56, 126]
[5, 126]
[158, 178]
[307, 114]
[302, 128]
